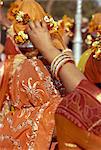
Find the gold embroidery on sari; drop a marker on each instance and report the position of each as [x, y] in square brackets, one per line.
[49, 86]
[35, 126]
[34, 63]
[10, 138]
[18, 60]
[35, 92]
[70, 145]
[32, 89]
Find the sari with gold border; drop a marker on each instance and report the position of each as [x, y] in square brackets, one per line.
[28, 102]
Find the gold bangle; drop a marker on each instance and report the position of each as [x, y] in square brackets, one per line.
[54, 62]
[60, 65]
[67, 50]
[58, 61]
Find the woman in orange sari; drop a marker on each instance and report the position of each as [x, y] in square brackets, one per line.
[28, 99]
[78, 116]
[35, 12]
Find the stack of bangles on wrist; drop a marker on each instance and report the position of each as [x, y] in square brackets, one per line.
[63, 58]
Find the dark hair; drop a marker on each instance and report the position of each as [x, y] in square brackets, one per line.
[3, 35]
[98, 85]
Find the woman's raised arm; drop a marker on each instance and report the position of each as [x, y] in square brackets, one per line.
[40, 37]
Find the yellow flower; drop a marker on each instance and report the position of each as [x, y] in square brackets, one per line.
[18, 39]
[97, 54]
[95, 43]
[59, 22]
[46, 19]
[23, 35]
[51, 19]
[98, 34]
[89, 37]
[19, 16]
[89, 42]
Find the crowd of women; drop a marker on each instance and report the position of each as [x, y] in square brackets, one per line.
[34, 114]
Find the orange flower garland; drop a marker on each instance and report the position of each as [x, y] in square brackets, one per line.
[94, 36]
[94, 42]
[21, 16]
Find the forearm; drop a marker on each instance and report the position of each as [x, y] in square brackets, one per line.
[69, 74]
[50, 53]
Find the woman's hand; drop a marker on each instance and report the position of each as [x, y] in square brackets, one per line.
[39, 35]
[41, 39]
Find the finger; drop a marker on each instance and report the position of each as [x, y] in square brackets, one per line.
[26, 28]
[29, 31]
[32, 25]
[37, 24]
[44, 25]
[31, 34]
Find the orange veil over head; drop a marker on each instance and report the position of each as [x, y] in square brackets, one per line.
[33, 10]
[36, 12]
[30, 7]
[95, 23]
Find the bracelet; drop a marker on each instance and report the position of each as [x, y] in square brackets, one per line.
[60, 65]
[59, 61]
[64, 51]
[55, 59]
[67, 50]
[63, 56]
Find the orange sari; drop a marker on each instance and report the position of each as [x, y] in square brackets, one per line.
[28, 100]
[90, 66]
[93, 70]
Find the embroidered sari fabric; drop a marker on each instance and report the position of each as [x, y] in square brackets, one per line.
[57, 83]
[28, 105]
[83, 107]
